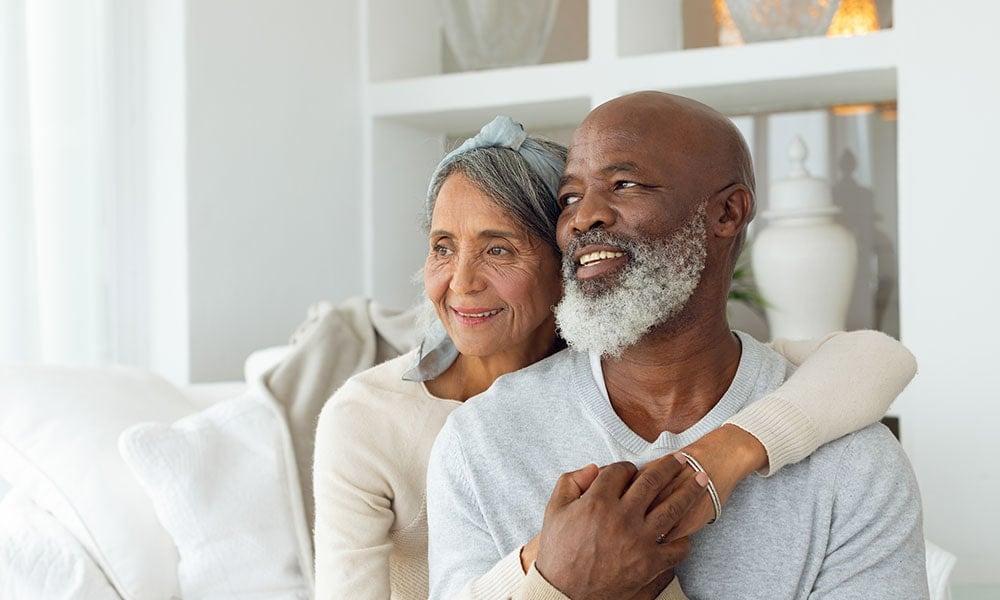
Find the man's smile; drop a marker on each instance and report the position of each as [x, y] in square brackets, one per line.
[599, 255]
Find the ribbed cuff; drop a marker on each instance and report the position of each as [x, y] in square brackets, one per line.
[786, 433]
[502, 580]
[536, 587]
[672, 591]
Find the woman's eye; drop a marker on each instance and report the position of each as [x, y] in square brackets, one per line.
[497, 251]
[440, 250]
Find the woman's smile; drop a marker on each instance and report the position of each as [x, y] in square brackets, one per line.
[475, 316]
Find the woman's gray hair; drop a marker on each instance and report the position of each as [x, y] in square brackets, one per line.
[519, 173]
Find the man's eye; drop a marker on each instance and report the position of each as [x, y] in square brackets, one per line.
[568, 199]
[621, 185]
[497, 251]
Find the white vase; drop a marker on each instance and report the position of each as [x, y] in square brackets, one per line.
[763, 20]
[804, 262]
[486, 34]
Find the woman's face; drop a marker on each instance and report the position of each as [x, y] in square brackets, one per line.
[492, 283]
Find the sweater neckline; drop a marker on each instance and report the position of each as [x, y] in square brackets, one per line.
[589, 382]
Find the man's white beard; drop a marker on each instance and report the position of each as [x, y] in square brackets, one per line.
[609, 316]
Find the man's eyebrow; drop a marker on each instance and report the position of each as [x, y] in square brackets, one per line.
[616, 167]
[627, 166]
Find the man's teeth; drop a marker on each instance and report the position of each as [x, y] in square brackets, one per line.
[488, 313]
[593, 257]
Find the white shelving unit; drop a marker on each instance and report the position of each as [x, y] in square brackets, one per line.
[937, 62]
[766, 77]
[410, 106]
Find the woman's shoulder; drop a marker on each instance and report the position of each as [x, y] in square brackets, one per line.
[386, 376]
[381, 390]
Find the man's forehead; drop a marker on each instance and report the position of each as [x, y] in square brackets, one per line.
[627, 149]
[616, 133]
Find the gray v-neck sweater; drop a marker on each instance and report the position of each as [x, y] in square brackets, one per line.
[845, 522]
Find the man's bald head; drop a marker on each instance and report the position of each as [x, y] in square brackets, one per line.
[713, 148]
[700, 145]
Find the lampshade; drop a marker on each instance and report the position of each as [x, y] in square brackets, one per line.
[854, 17]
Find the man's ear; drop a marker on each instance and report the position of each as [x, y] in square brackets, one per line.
[733, 207]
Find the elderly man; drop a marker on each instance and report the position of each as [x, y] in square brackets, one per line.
[656, 196]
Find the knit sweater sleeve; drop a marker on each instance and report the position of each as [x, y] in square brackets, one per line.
[353, 489]
[507, 581]
[499, 583]
[845, 381]
[534, 586]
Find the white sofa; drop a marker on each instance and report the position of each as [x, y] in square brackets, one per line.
[119, 484]
[122, 485]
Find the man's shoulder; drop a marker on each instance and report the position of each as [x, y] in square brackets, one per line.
[862, 465]
[526, 386]
[518, 401]
[872, 444]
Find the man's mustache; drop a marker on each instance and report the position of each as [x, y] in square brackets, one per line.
[599, 237]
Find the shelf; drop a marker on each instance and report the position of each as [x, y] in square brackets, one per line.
[540, 95]
[772, 76]
[763, 77]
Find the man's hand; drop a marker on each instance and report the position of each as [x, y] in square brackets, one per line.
[606, 531]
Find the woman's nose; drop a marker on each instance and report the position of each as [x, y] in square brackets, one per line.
[466, 277]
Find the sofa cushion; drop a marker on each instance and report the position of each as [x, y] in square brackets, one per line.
[39, 558]
[224, 483]
[333, 343]
[59, 429]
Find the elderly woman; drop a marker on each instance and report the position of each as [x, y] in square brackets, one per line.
[492, 274]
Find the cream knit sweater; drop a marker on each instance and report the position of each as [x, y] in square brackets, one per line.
[375, 434]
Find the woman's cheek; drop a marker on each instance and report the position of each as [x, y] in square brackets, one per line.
[435, 279]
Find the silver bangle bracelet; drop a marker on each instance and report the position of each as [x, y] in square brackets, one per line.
[716, 503]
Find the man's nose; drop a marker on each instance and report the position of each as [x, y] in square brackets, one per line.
[593, 211]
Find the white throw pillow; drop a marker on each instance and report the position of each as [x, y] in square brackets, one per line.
[59, 429]
[224, 484]
[39, 558]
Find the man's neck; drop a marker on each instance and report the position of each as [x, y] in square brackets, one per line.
[672, 378]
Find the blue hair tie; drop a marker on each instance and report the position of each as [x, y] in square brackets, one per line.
[504, 132]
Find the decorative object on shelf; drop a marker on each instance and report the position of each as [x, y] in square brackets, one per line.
[729, 34]
[852, 110]
[804, 262]
[888, 111]
[486, 34]
[763, 20]
[854, 17]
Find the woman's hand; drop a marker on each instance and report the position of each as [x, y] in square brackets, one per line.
[528, 554]
[728, 455]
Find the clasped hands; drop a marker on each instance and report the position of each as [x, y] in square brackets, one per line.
[618, 531]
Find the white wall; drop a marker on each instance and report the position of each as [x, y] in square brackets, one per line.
[948, 252]
[169, 350]
[272, 171]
